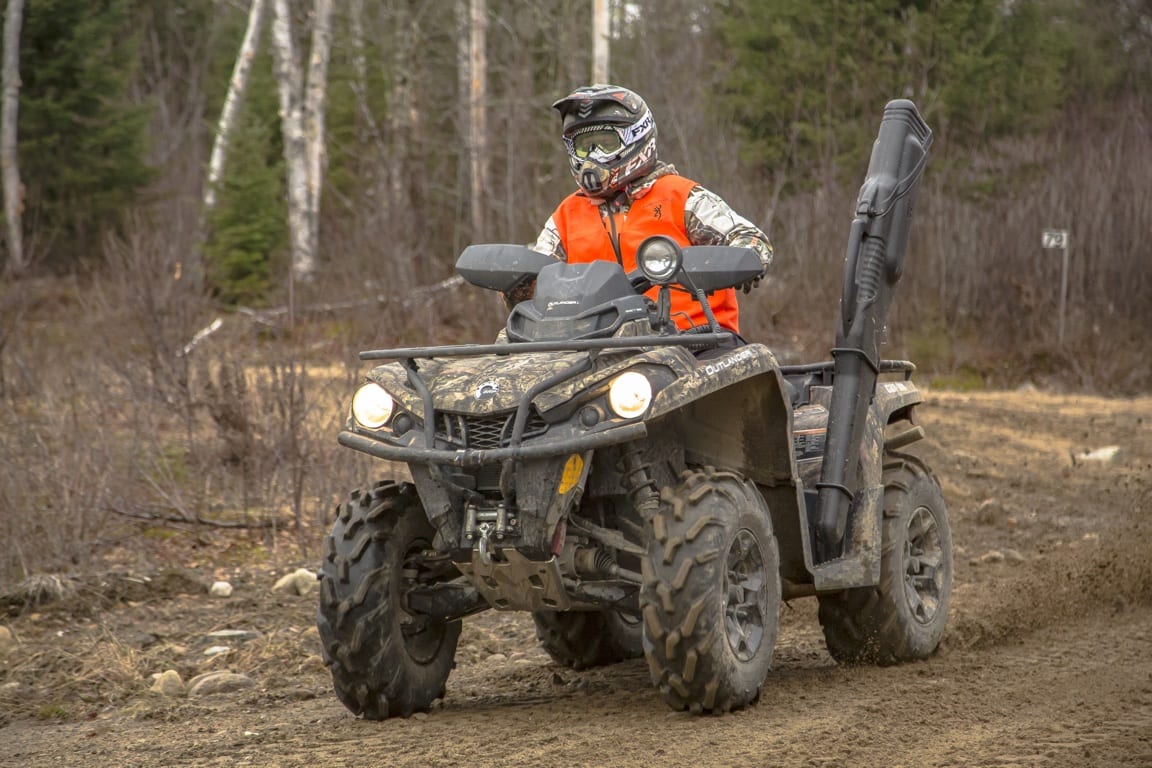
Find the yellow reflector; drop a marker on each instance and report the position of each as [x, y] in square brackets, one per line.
[573, 469]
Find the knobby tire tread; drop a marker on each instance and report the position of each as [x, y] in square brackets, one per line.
[864, 626]
[682, 601]
[372, 672]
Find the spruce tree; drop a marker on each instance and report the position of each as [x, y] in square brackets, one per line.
[810, 78]
[82, 139]
[248, 234]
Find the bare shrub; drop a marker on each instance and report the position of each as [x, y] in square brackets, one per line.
[109, 427]
[56, 471]
[979, 292]
[268, 431]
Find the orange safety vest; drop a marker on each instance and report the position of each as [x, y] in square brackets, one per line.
[586, 237]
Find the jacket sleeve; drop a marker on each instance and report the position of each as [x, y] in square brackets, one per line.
[709, 220]
[549, 242]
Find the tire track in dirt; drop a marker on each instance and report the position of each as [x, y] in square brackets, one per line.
[1046, 662]
[1072, 694]
[1115, 572]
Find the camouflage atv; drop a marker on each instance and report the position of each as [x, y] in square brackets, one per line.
[639, 490]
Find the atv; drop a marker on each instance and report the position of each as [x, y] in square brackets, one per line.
[644, 491]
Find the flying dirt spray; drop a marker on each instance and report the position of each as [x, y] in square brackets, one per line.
[873, 264]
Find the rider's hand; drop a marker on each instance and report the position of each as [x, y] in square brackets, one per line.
[762, 249]
[748, 286]
[522, 292]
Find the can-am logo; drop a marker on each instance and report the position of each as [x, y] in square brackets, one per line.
[487, 389]
[721, 365]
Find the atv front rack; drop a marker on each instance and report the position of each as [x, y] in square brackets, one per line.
[379, 445]
[526, 347]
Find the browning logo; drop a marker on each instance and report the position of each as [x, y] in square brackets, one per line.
[658, 211]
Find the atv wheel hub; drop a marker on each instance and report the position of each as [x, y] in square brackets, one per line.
[422, 639]
[746, 598]
[923, 556]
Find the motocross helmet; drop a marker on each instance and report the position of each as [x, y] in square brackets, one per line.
[610, 136]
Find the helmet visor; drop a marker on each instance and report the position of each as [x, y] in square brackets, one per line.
[604, 142]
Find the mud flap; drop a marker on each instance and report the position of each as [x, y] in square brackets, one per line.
[859, 566]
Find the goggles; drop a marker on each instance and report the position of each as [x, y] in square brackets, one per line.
[605, 142]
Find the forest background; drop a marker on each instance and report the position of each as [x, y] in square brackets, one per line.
[168, 369]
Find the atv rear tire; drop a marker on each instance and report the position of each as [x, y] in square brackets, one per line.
[711, 594]
[584, 639]
[903, 617]
[385, 661]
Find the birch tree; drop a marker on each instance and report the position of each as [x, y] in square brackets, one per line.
[600, 31]
[236, 88]
[225, 127]
[360, 69]
[473, 76]
[315, 93]
[302, 126]
[13, 196]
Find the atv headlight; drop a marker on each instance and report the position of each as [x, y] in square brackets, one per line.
[372, 406]
[660, 258]
[630, 394]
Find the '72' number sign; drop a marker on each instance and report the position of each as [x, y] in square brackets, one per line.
[1054, 238]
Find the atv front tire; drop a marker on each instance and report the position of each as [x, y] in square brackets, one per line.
[711, 594]
[584, 639]
[385, 661]
[903, 617]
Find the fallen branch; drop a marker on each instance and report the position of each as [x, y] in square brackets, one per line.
[267, 317]
[191, 522]
[202, 334]
[337, 306]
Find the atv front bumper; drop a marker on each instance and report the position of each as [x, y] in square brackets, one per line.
[544, 448]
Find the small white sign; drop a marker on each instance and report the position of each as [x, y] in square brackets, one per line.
[1054, 238]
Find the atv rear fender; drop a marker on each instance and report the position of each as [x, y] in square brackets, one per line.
[749, 391]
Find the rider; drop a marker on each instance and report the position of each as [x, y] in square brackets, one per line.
[626, 194]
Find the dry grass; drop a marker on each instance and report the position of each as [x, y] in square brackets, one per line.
[112, 437]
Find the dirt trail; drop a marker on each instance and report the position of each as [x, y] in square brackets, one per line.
[1047, 661]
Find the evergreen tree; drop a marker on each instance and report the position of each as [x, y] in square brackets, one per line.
[248, 227]
[82, 140]
[809, 78]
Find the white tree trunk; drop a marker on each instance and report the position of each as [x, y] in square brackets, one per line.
[401, 162]
[295, 143]
[478, 124]
[236, 88]
[600, 31]
[315, 94]
[13, 190]
[360, 67]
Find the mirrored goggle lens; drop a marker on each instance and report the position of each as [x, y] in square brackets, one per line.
[606, 142]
